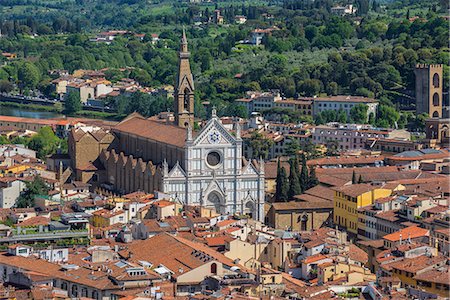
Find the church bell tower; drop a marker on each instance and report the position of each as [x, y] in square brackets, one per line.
[184, 89]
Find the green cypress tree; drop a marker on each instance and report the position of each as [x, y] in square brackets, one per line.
[294, 182]
[304, 175]
[353, 177]
[284, 189]
[312, 180]
[360, 180]
[279, 182]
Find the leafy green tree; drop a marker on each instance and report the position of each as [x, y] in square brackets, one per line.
[32, 189]
[260, 145]
[387, 116]
[332, 148]
[20, 140]
[294, 182]
[3, 140]
[358, 113]
[45, 142]
[6, 86]
[341, 116]
[277, 63]
[293, 147]
[353, 177]
[363, 7]
[319, 120]
[72, 103]
[28, 75]
[311, 87]
[332, 89]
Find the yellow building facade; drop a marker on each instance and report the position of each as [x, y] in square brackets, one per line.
[348, 199]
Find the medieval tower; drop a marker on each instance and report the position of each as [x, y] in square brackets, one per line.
[429, 90]
[184, 88]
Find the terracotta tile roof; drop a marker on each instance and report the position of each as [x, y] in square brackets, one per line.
[270, 169]
[436, 276]
[357, 254]
[46, 122]
[163, 203]
[138, 195]
[347, 160]
[317, 193]
[292, 205]
[218, 240]
[331, 180]
[416, 264]
[314, 243]
[154, 225]
[314, 258]
[325, 265]
[403, 157]
[106, 213]
[174, 252]
[342, 98]
[153, 130]
[409, 232]
[81, 276]
[390, 215]
[178, 222]
[34, 221]
[437, 209]
[372, 243]
[354, 190]
[225, 223]
[444, 231]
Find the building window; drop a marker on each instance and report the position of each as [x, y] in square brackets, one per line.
[436, 99]
[436, 80]
[213, 268]
[74, 291]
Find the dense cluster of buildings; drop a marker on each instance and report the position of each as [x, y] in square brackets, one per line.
[94, 88]
[155, 208]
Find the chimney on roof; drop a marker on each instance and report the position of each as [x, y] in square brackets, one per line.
[409, 237]
[400, 242]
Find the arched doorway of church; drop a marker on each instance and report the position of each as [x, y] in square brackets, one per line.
[215, 200]
[444, 132]
[249, 209]
[303, 220]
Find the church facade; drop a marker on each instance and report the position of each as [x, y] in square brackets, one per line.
[215, 174]
[204, 168]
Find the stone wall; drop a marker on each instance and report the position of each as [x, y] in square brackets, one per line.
[128, 174]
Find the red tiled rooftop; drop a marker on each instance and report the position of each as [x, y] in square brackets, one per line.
[314, 258]
[409, 232]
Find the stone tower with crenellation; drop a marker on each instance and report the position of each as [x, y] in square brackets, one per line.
[184, 89]
[429, 90]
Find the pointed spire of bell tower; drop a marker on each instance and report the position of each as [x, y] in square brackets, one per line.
[184, 88]
[184, 43]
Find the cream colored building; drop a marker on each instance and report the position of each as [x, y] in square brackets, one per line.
[352, 274]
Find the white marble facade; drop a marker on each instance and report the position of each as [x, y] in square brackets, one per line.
[215, 173]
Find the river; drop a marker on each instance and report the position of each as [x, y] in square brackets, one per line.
[26, 113]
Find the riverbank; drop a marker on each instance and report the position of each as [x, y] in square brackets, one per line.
[57, 110]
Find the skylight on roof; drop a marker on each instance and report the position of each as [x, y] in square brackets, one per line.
[121, 264]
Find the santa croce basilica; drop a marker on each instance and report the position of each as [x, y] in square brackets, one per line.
[200, 168]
